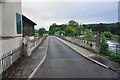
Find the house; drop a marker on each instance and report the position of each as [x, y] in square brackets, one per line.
[10, 33]
[28, 27]
[13, 27]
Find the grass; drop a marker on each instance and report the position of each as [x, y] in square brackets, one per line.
[114, 37]
[112, 56]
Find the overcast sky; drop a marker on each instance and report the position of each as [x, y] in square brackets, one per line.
[47, 12]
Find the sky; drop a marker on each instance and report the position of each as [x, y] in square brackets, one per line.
[47, 12]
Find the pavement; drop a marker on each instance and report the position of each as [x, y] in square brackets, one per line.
[93, 56]
[33, 63]
[64, 62]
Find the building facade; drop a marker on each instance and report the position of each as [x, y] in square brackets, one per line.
[10, 33]
[28, 27]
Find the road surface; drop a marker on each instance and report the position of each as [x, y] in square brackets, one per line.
[63, 62]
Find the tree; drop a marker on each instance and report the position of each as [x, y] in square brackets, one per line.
[104, 46]
[60, 32]
[89, 34]
[69, 31]
[108, 35]
[80, 29]
[101, 27]
[42, 31]
[36, 35]
[72, 23]
[51, 29]
[63, 27]
[84, 27]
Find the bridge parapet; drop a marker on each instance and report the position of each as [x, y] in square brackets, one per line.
[30, 45]
[91, 44]
[8, 59]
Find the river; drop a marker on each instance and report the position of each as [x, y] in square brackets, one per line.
[112, 45]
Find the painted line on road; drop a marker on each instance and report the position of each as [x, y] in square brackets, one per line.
[98, 63]
[38, 66]
[83, 54]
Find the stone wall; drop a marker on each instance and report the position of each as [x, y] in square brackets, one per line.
[30, 45]
[91, 44]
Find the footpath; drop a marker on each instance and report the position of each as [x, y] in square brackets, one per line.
[100, 60]
[30, 65]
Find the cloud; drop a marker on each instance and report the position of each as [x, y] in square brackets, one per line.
[70, 0]
[46, 13]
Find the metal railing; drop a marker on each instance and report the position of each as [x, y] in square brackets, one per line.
[118, 49]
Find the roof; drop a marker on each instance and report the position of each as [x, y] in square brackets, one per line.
[28, 20]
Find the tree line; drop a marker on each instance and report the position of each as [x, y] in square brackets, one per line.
[40, 32]
[73, 28]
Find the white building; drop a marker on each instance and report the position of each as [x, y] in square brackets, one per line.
[10, 32]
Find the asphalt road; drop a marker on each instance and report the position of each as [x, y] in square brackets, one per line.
[63, 62]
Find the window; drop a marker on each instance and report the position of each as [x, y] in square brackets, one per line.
[19, 30]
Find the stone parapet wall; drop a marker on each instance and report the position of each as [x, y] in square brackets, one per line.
[32, 44]
[91, 44]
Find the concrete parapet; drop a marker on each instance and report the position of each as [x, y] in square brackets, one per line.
[91, 44]
[30, 45]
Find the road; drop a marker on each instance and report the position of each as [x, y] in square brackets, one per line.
[63, 62]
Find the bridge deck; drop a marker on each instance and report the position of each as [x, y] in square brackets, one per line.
[63, 62]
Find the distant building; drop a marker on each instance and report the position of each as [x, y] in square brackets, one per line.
[28, 27]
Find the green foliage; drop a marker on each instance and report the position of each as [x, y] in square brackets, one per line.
[36, 35]
[104, 46]
[114, 57]
[101, 27]
[114, 28]
[111, 36]
[42, 31]
[60, 32]
[52, 29]
[2, 1]
[89, 34]
[108, 35]
[73, 23]
[115, 37]
[80, 29]
[71, 31]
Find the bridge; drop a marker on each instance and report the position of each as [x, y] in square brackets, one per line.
[63, 62]
[24, 56]
[58, 58]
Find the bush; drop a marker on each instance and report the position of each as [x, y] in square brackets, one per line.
[36, 35]
[113, 57]
[108, 35]
[89, 34]
[116, 37]
[104, 46]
